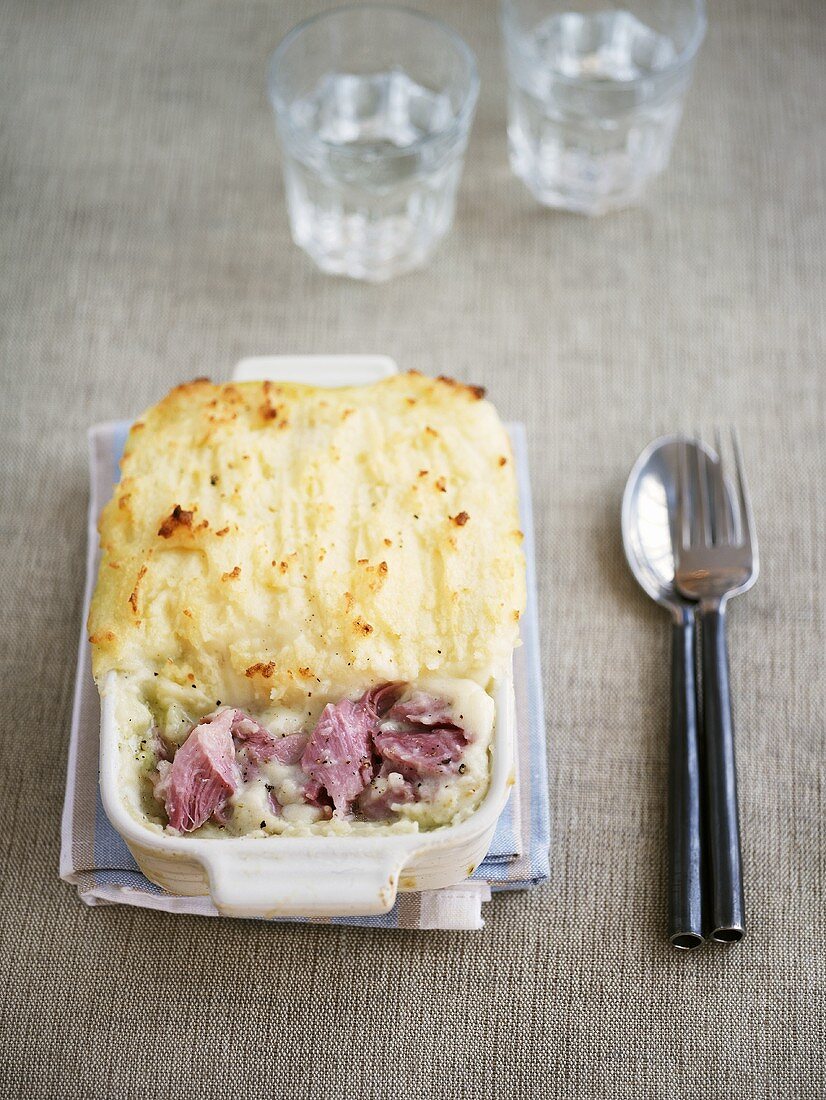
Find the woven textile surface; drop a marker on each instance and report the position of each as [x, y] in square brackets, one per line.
[144, 241]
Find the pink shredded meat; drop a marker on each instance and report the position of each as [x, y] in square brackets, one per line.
[202, 776]
[379, 699]
[290, 749]
[420, 753]
[378, 805]
[353, 744]
[422, 709]
[315, 795]
[261, 745]
[339, 755]
[251, 735]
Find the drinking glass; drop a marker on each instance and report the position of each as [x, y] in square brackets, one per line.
[374, 106]
[595, 94]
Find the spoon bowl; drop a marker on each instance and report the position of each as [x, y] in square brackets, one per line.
[649, 504]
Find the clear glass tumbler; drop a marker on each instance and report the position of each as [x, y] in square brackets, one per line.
[374, 106]
[595, 94]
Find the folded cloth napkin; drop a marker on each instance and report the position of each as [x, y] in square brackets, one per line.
[96, 860]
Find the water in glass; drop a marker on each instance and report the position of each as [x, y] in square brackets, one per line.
[591, 117]
[369, 199]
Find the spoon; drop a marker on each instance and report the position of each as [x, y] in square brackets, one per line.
[649, 505]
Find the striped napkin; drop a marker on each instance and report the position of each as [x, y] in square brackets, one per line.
[95, 859]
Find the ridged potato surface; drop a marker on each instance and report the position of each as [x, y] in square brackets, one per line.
[272, 544]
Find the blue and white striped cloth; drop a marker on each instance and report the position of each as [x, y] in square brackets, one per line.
[95, 859]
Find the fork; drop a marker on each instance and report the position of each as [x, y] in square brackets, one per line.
[715, 558]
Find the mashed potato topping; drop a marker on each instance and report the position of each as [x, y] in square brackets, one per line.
[276, 547]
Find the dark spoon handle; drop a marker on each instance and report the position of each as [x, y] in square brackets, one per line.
[720, 783]
[685, 909]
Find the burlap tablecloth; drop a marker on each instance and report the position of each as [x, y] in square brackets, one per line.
[144, 241]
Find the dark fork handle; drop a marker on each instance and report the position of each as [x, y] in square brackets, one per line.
[720, 783]
[685, 910]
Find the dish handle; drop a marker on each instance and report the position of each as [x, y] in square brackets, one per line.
[315, 370]
[280, 883]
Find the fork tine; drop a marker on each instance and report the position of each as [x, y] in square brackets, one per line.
[682, 495]
[703, 515]
[742, 492]
[721, 516]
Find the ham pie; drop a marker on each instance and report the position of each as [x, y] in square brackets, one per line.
[307, 594]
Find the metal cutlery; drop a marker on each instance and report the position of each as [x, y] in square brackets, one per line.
[715, 557]
[648, 509]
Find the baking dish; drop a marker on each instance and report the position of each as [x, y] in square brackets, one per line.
[318, 876]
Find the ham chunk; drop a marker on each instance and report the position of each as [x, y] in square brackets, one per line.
[422, 710]
[379, 700]
[199, 781]
[370, 756]
[290, 749]
[339, 755]
[421, 753]
[418, 737]
[384, 795]
[261, 745]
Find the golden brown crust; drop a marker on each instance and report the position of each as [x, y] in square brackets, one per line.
[261, 530]
[260, 669]
[476, 392]
[176, 519]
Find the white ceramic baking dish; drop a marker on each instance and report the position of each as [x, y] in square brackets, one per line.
[319, 876]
